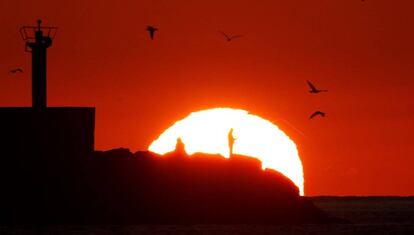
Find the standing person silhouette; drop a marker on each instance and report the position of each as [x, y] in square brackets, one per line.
[231, 140]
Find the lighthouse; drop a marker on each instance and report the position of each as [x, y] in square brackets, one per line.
[42, 147]
[41, 133]
[37, 44]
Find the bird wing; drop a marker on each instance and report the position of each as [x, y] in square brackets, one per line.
[224, 34]
[236, 36]
[312, 87]
[151, 28]
[316, 113]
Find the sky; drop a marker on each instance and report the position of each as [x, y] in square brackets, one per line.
[362, 52]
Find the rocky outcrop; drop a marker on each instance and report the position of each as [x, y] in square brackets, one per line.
[120, 187]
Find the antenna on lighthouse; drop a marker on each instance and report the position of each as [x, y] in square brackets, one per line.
[38, 38]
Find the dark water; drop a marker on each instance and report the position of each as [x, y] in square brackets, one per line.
[216, 229]
[366, 215]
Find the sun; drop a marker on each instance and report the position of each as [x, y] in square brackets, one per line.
[207, 132]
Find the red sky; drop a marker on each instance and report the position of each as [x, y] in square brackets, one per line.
[363, 52]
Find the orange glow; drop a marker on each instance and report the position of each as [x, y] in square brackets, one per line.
[362, 52]
[206, 131]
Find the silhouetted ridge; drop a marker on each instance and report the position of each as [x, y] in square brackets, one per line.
[117, 186]
[202, 188]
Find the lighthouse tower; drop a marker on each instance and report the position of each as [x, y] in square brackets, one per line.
[38, 39]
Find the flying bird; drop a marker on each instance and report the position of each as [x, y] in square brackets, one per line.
[313, 89]
[16, 70]
[151, 30]
[230, 37]
[322, 114]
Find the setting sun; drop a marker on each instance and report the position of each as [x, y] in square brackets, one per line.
[207, 132]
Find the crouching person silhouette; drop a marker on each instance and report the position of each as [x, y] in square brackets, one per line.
[180, 147]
